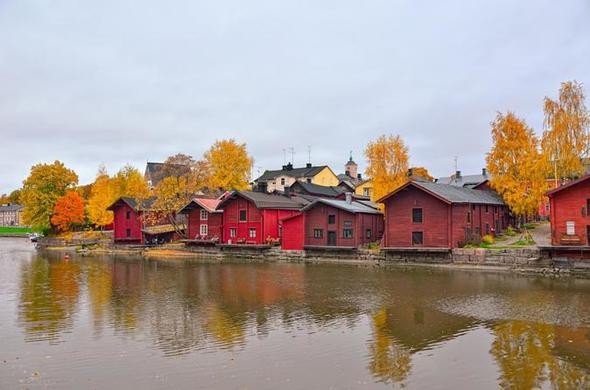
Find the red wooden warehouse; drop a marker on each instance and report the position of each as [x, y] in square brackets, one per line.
[570, 213]
[203, 219]
[426, 214]
[127, 220]
[255, 217]
[336, 223]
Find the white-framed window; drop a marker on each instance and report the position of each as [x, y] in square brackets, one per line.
[204, 229]
[570, 228]
[366, 191]
[252, 232]
[233, 232]
[204, 215]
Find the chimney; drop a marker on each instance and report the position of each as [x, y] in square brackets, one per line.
[410, 172]
[359, 176]
[289, 167]
[457, 174]
[348, 197]
[308, 165]
[484, 172]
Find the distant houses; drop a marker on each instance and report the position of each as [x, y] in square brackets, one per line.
[11, 214]
[278, 180]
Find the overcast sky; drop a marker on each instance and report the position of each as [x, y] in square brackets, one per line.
[119, 82]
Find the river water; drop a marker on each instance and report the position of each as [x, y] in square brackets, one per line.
[111, 322]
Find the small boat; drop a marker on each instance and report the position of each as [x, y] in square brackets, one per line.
[34, 237]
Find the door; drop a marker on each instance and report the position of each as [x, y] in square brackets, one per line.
[331, 238]
[587, 234]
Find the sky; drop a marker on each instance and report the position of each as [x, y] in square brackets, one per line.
[118, 82]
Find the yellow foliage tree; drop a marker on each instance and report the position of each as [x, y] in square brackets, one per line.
[565, 139]
[130, 182]
[421, 172]
[387, 164]
[102, 196]
[45, 184]
[172, 193]
[515, 164]
[229, 164]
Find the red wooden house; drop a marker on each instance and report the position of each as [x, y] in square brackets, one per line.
[570, 213]
[426, 214]
[255, 217]
[203, 219]
[345, 224]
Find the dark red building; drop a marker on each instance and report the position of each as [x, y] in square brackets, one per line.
[333, 223]
[570, 213]
[204, 220]
[255, 217]
[127, 220]
[426, 214]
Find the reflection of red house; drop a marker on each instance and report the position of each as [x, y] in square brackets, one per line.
[570, 216]
[426, 214]
[254, 217]
[204, 220]
[333, 223]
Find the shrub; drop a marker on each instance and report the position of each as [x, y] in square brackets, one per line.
[510, 231]
[487, 239]
[529, 226]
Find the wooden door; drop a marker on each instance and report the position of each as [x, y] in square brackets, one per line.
[331, 238]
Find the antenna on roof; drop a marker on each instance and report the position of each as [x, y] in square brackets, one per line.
[456, 163]
[292, 150]
[308, 154]
[285, 156]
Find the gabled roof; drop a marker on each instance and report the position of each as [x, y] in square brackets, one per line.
[210, 205]
[468, 181]
[352, 207]
[153, 171]
[568, 185]
[264, 200]
[133, 203]
[11, 207]
[451, 194]
[316, 189]
[308, 171]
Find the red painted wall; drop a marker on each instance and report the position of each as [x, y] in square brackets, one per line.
[214, 224]
[570, 205]
[121, 224]
[317, 218]
[293, 233]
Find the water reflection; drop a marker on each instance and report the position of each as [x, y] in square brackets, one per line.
[180, 308]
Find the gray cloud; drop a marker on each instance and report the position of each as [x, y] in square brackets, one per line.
[120, 82]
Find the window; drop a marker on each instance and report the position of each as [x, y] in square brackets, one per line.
[587, 207]
[232, 232]
[309, 180]
[252, 232]
[366, 191]
[331, 219]
[468, 217]
[128, 215]
[570, 228]
[282, 181]
[487, 228]
[347, 233]
[417, 215]
[473, 207]
[243, 216]
[495, 209]
[369, 233]
[128, 233]
[417, 238]
[204, 215]
[486, 208]
[318, 233]
[204, 229]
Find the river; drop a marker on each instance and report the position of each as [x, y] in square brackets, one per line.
[114, 322]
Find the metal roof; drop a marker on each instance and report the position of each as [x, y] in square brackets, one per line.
[469, 181]
[316, 189]
[134, 203]
[352, 207]
[210, 205]
[293, 172]
[264, 200]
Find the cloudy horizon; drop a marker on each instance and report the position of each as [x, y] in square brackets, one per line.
[113, 83]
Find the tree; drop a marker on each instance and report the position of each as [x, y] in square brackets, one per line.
[102, 196]
[172, 193]
[68, 210]
[388, 164]
[130, 182]
[565, 139]
[45, 184]
[515, 165]
[230, 165]
[421, 172]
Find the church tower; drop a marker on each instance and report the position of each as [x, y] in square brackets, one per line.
[351, 169]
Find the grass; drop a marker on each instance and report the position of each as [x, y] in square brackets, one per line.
[14, 230]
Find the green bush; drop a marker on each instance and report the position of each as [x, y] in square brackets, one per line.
[487, 239]
[530, 226]
[510, 231]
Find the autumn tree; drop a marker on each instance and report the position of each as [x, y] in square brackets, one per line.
[565, 139]
[172, 193]
[229, 164]
[102, 196]
[515, 165]
[68, 210]
[387, 164]
[130, 182]
[421, 172]
[45, 184]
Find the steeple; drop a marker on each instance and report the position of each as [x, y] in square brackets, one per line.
[351, 168]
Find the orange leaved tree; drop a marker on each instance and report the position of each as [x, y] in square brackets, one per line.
[68, 210]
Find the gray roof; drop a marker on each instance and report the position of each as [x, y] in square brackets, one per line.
[455, 194]
[469, 181]
[264, 200]
[11, 207]
[352, 207]
[316, 189]
[153, 171]
[134, 203]
[294, 172]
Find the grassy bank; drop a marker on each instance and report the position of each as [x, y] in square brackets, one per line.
[16, 230]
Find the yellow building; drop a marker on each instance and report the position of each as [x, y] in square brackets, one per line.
[277, 180]
[364, 188]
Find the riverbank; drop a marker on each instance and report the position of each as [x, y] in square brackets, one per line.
[520, 260]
